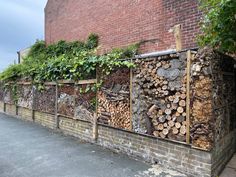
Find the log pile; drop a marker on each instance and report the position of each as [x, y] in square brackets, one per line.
[114, 100]
[25, 96]
[224, 95]
[159, 97]
[85, 103]
[66, 100]
[202, 120]
[8, 95]
[212, 94]
[45, 99]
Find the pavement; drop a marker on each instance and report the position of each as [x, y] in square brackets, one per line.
[30, 150]
[230, 169]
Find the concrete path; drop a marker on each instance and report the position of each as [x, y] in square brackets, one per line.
[230, 169]
[29, 150]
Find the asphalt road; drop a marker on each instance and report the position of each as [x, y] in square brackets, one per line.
[30, 150]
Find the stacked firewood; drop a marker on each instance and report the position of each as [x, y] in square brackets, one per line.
[161, 84]
[66, 100]
[224, 95]
[25, 96]
[45, 100]
[114, 100]
[202, 120]
[85, 103]
[8, 94]
[213, 91]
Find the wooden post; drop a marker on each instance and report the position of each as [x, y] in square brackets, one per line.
[189, 56]
[33, 102]
[16, 102]
[16, 110]
[95, 121]
[178, 37]
[57, 121]
[95, 128]
[131, 91]
[4, 103]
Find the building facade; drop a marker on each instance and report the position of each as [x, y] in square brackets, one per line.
[123, 22]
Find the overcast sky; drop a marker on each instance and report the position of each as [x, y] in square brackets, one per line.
[21, 23]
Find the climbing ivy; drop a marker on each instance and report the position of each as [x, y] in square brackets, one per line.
[67, 61]
[13, 89]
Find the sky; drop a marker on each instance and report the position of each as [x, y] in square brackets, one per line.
[21, 24]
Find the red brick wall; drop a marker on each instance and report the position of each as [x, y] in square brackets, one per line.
[123, 22]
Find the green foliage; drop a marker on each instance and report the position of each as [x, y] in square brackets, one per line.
[219, 24]
[13, 89]
[37, 49]
[12, 73]
[127, 52]
[67, 61]
[92, 41]
[15, 96]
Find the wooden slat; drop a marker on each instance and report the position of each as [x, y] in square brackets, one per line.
[188, 97]
[178, 37]
[50, 83]
[81, 82]
[66, 81]
[24, 83]
[90, 81]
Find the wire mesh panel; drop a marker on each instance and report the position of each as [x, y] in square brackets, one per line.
[85, 102]
[10, 94]
[202, 126]
[213, 90]
[25, 96]
[66, 99]
[114, 100]
[45, 99]
[159, 97]
[224, 97]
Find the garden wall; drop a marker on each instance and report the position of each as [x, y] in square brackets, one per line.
[172, 154]
[153, 112]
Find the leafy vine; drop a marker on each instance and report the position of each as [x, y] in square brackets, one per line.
[67, 61]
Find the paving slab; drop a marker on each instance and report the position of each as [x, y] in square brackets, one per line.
[30, 150]
[232, 162]
[230, 169]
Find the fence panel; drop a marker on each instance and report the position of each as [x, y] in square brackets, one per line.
[114, 100]
[159, 97]
[25, 96]
[85, 102]
[44, 99]
[66, 99]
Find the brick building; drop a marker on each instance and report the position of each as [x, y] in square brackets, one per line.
[123, 22]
